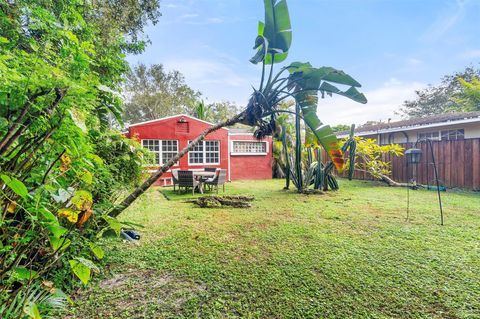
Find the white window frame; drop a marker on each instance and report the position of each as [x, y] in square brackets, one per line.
[205, 154]
[160, 150]
[457, 134]
[248, 154]
[438, 138]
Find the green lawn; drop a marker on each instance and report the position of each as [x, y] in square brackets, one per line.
[346, 254]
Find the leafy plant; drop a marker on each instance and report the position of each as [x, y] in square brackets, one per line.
[370, 156]
[59, 74]
[299, 81]
[309, 169]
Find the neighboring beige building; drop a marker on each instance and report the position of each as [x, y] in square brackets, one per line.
[445, 127]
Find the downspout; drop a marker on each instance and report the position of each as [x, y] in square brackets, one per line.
[229, 155]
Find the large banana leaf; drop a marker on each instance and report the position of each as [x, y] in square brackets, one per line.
[274, 35]
[305, 83]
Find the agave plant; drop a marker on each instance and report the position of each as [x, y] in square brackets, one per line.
[310, 170]
[300, 81]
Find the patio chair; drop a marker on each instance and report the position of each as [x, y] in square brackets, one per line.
[218, 180]
[186, 179]
[175, 178]
[208, 169]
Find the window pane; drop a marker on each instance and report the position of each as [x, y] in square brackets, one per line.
[249, 147]
[212, 152]
[169, 150]
[196, 155]
[153, 146]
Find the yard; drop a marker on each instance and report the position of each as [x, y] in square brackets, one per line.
[346, 254]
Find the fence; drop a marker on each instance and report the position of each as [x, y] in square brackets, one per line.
[458, 164]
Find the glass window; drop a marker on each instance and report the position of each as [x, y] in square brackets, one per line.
[248, 147]
[206, 152]
[453, 135]
[434, 135]
[164, 150]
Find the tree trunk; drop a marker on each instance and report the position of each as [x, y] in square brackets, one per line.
[155, 176]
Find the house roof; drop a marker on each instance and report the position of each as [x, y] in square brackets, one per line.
[415, 123]
[171, 117]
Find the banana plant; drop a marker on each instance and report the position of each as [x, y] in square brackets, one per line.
[300, 81]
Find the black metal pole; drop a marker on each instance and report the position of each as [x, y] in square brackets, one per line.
[436, 179]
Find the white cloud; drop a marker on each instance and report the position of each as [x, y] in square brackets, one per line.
[218, 80]
[470, 54]
[382, 103]
[214, 20]
[446, 21]
[189, 16]
[414, 62]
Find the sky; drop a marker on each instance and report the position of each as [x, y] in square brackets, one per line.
[392, 47]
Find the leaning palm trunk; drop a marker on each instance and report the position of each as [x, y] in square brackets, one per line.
[155, 176]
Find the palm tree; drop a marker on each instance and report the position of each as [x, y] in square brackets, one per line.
[299, 81]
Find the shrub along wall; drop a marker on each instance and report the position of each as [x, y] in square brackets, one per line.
[458, 164]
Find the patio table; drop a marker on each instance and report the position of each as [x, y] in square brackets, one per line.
[199, 174]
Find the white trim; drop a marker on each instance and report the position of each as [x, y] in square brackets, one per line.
[205, 154]
[228, 161]
[160, 157]
[245, 134]
[171, 117]
[411, 128]
[248, 154]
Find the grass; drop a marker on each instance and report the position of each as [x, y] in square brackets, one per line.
[346, 254]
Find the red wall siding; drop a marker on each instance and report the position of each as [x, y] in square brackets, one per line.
[251, 166]
[241, 166]
[167, 130]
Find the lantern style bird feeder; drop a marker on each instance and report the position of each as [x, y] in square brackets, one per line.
[414, 155]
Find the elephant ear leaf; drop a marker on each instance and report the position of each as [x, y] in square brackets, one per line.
[276, 31]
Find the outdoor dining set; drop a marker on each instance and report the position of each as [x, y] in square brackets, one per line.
[197, 180]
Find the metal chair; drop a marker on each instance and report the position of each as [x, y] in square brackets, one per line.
[218, 180]
[186, 179]
[175, 178]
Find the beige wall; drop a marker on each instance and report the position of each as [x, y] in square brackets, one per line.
[472, 130]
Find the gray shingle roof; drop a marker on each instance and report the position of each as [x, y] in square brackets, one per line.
[441, 118]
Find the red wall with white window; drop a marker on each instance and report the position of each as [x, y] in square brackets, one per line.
[184, 128]
[252, 166]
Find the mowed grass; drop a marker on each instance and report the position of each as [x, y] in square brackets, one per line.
[345, 254]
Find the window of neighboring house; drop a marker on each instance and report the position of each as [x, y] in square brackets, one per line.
[206, 152]
[453, 135]
[434, 135]
[249, 147]
[163, 150]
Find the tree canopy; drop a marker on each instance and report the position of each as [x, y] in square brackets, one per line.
[151, 92]
[60, 168]
[448, 96]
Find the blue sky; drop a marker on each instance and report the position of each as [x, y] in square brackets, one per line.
[392, 47]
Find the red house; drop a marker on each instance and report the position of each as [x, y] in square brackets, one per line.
[233, 149]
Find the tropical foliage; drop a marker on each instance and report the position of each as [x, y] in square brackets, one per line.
[370, 157]
[305, 167]
[300, 81]
[61, 168]
[448, 96]
[469, 99]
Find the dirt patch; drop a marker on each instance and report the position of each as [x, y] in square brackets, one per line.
[138, 294]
